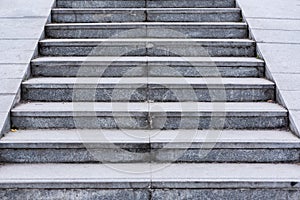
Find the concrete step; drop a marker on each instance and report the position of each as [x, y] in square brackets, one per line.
[182, 115]
[162, 89]
[145, 3]
[132, 146]
[147, 66]
[147, 47]
[148, 30]
[150, 181]
[71, 15]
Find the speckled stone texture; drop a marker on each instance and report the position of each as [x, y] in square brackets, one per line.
[152, 48]
[151, 31]
[167, 122]
[130, 15]
[195, 71]
[157, 93]
[145, 194]
[229, 15]
[225, 194]
[101, 4]
[143, 69]
[75, 194]
[84, 70]
[206, 95]
[190, 3]
[71, 122]
[89, 95]
[147, 14]
[170, 121]
[143, 3]
[227, 155]
[142, 153]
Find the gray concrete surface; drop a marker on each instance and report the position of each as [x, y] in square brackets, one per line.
[21, 26]
[275, 25]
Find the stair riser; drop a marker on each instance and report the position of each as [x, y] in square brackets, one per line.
[105, 16]
[142, 4]
[143, 94]
[213, 122]
[141, 16]
[130, 122]
[214, 71]
[143, 32]
[81, 70]
[158, 50]
[234, 193]
[190, 17]
[157, 121]
[75, 194]
[225, 194]
[101, 4]
[190, 4]
[82, 155]
[141, 70]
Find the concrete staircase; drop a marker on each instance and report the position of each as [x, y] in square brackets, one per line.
[134, 99]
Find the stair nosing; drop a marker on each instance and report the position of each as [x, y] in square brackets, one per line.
[155, 175]
[229, 139]
[122, 24]
[175, 108]
[171, 82]
[72, 10]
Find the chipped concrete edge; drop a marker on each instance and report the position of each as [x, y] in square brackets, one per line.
[5, 122]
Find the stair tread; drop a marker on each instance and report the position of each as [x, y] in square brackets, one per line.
[192, 138]
[99, 59]
[170, 81]
[177, 40]
[158, 175]
[164, 10]
[122, 24]
[222, 107]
